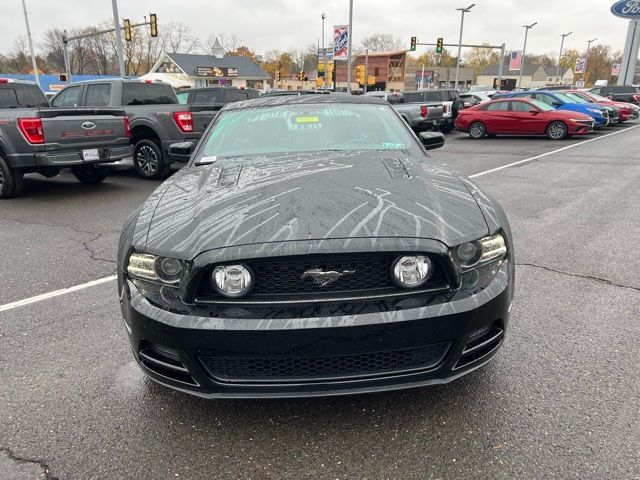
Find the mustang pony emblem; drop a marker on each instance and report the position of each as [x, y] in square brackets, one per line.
[322, 278]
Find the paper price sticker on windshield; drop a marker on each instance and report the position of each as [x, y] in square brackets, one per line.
[307, 120]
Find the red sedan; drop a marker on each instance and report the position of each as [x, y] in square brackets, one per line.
[519, 116]
[628, 111]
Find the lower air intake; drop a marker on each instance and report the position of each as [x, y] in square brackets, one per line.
[283, 369]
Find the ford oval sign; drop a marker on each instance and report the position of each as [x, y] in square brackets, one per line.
[626, 9]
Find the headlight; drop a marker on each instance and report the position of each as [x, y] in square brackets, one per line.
[470, 254]
[478, 262]
[151, 267]
[157, 278]
[232, 280]
[412, 271]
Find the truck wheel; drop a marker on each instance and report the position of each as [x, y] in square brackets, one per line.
[446, 127]
[90, 173]
[10, 180]
[149, 160]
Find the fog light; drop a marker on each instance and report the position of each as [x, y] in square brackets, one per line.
[232, 280]
[412, 271]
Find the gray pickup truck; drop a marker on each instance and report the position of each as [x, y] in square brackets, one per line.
[420, 115]
[35, 138]
[156, 118]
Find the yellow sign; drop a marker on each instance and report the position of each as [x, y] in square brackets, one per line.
[307, 119]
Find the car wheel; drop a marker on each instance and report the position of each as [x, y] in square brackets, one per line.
[557, 131]
[446, 128]
[10, 180]
[477, 130]
[90, 173]
[148, 160]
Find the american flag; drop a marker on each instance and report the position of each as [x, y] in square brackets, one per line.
[615, 70]
[515, 60]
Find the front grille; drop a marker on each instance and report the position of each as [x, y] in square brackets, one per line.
[284, 369]
[363, 274]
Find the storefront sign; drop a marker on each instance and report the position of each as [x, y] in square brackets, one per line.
[216, 72]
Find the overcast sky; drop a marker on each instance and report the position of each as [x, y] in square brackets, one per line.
[280, 24]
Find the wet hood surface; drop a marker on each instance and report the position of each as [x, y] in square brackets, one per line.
[313, 196]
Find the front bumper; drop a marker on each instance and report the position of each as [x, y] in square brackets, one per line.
[240, 358]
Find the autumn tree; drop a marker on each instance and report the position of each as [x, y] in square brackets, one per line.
[478, 58]
[242, 51]
[569, 57]
[277, 61]
[599, 63]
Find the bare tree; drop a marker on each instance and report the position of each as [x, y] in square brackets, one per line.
[380, 42]
[179, 40]
[53, 50]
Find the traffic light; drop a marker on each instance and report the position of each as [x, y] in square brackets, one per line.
[277, 75]
[371, 80]
[414, 41]
[153, 23]
[439, 43]
[62, 77]
[127, 30]
[360, 74]
[301, 76]
[329, 75]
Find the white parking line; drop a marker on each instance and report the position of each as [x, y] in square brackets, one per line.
[92, 283]
[55, 293]
[531, 159]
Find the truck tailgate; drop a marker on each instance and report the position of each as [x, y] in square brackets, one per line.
[82, 128]
[203, 115]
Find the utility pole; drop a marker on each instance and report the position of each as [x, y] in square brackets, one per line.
[463, 11]
[631, 47]
[118, 34]
[366, 70]
[524, 49]
[33, 55]
[501, 66]
[349, 46]
[324, 54]
[560, 56]
[586, 60]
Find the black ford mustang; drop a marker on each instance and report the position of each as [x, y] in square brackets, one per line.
[312, 247]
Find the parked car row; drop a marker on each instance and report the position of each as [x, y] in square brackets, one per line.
[557, 114]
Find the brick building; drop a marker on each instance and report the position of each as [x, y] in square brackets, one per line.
[388, 68]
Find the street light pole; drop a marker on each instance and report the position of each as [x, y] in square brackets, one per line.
[463, 11]
[34, 64]
[586, 60]
[560, 56]
[118, 34]
[349, 46]
[524, 49]
[324, 54]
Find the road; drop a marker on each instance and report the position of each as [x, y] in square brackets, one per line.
[561, 399]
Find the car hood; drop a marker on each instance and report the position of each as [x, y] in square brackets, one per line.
[301, 197]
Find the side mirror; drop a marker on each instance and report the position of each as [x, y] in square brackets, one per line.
[556, 104]
[181, 152]
[431, 140]
[534, 111]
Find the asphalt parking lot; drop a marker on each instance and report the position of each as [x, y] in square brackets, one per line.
[561, 399]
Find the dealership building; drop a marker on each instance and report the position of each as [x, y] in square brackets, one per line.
[205, 70]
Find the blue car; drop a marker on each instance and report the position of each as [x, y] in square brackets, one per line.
[561, 101]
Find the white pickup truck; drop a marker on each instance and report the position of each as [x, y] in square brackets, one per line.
[420, 115]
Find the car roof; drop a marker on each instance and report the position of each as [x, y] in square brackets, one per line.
[275, 100]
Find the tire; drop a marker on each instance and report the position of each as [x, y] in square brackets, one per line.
[557, 131]
[10, 180]
[446, 128]
[90, 174]
[149, 161]
[477, 130]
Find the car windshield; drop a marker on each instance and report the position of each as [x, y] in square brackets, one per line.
[599, 98]
[542, 106]
[576, 98]
[305, 128]
[565, 98]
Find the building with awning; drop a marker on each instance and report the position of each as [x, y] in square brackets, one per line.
[206, 70]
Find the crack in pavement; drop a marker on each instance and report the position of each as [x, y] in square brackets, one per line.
[577, 275]
[84, 243]
[18, 459]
